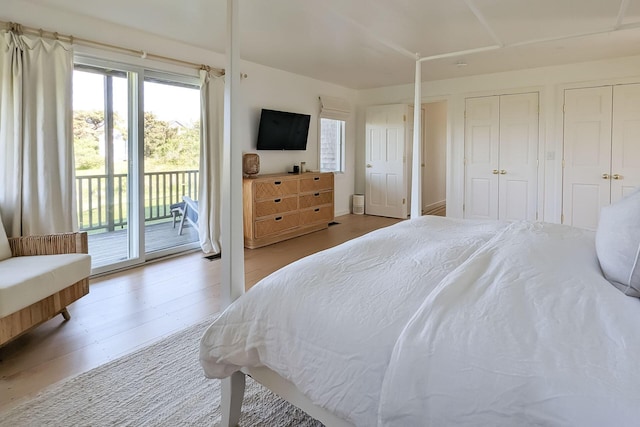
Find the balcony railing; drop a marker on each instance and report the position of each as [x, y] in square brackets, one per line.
[103, 202]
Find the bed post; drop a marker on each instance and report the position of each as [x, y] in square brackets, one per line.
[416, 167]
[232, 280]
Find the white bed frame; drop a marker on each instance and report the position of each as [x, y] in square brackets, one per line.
[233, 394]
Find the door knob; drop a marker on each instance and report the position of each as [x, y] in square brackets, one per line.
[495, 172]
[616, 176]
[503, 172]
[369, 166]
[605, 176]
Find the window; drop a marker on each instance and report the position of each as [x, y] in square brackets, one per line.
[333, 113]
[331, 145]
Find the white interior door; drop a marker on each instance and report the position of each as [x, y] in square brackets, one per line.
[625, 147]
[587, 155]
[385, 186]
[481, 145]
[518, 154]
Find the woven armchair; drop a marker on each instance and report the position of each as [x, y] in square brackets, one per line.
[50, 244]
[15, 324]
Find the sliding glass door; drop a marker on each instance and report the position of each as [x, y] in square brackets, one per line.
[171, 161]
[136, 141]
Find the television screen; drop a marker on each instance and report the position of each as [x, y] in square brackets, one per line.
[280, 130]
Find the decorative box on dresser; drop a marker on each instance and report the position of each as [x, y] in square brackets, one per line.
[282, 206]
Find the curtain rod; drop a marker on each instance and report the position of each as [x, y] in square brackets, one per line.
[20, 29]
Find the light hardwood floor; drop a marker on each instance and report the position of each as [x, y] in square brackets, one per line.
[131, 309]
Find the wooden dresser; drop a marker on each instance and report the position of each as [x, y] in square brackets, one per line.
[281, 206]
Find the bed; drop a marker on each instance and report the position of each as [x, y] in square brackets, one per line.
[440, 321]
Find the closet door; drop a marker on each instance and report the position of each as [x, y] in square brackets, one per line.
[587, 155]
[518, 164]
[481, 145]
[625, 146]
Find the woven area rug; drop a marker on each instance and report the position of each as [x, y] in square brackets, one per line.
[159, 385]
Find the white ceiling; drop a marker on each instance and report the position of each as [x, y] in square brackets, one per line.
[371, 43]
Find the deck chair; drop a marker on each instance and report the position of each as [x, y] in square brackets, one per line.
[177, 211]
[190, 213]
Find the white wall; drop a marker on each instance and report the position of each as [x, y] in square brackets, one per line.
[265, 87]
[278, 90]
[435, 154]
[550, 82]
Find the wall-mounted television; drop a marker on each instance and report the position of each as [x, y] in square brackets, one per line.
[281, 130]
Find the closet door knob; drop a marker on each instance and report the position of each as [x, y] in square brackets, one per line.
[369, 166]
[605, 176]
[503, 172]
[495, 172]
[616, 176]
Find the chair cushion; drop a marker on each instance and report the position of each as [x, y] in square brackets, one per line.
[25, 280]
[618, 244]
[5, 250]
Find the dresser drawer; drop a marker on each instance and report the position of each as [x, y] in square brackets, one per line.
[274, 188]
[316, 199]
[276, 224]
[316, 182]
[322, 214]
[276, 205]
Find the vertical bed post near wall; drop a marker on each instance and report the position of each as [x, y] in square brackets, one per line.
[232, 238]
[416, 167]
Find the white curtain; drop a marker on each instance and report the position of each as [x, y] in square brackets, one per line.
[212, 102]
[37, 184]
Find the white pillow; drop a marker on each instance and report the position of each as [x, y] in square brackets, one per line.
[5, 250]
[618, 244]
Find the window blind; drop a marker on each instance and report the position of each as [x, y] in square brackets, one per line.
[334, 108]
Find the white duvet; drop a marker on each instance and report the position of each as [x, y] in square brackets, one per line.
[438, 322]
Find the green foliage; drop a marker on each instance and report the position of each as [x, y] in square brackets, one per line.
[167, 145]
[171, 144]
[87, 155]
[87, 130]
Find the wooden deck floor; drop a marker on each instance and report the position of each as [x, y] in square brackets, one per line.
[110, 247]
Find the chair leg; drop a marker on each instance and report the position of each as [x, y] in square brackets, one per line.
[184, 215]
[65, 314]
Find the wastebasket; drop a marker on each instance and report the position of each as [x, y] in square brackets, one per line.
[358, 204]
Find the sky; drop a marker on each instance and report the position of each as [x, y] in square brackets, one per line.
[165, 101]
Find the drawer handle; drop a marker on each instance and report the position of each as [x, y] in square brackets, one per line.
[316, 194]
[316, 210]
[277, 182]
[278, 218]
[316, 178]
[277, 200]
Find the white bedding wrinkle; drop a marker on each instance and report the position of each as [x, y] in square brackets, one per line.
[526, 332]
[328, 323]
